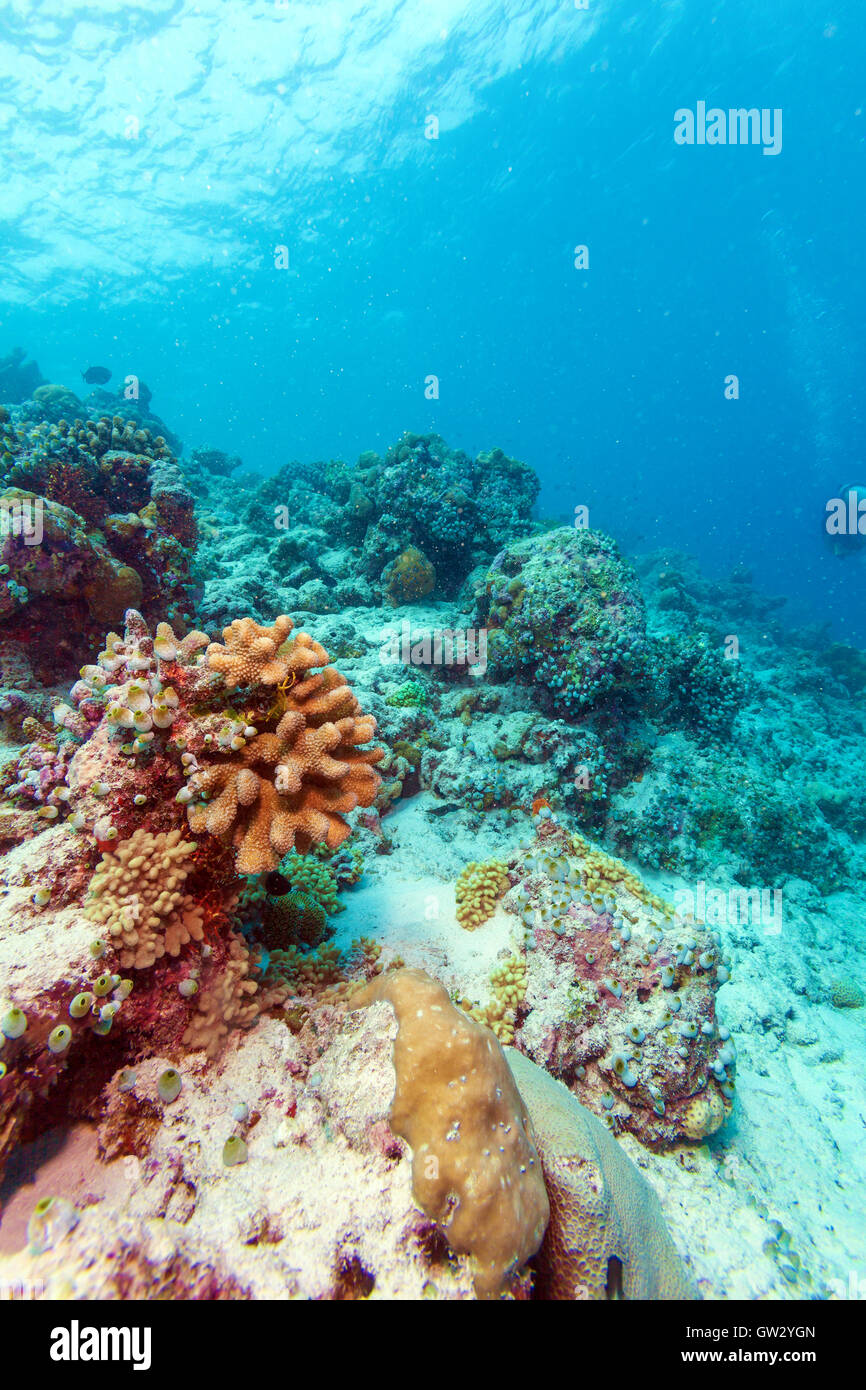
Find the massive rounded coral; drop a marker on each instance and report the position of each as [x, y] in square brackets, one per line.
[606, 1237]
[564, 612]
[475, 1168]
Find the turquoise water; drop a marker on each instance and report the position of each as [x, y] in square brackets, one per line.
[539, 323]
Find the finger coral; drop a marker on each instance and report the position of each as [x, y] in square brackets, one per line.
[281, 777]
[478, 888]
[475, 1168]
[249, 656]
[226, 1002]
[289, 788]
[137, 898]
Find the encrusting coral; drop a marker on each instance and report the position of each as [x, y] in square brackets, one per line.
[475, 1168]
[618, 993]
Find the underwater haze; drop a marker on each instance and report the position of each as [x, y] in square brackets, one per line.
[432, 670]
[156, 155]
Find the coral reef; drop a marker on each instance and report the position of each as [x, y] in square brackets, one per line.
[620, 994]
[107, 524]
[142, 723]
[566, 615]
[383, 532]
[207, 865]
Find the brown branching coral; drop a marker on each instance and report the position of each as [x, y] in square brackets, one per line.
[291, 787]
[251, 654]
[136, 896]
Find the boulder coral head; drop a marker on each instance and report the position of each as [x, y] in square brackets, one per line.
[620, 996]
[409, 578]
[475, 1168]
[565, 614]
[606, 1237]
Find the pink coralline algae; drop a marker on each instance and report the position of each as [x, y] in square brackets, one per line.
[99, 521]
[112, 790]
[620, 993]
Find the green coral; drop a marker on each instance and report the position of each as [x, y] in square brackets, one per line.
[295, 919]
[411, 692]
[314, 878]
[846, 994]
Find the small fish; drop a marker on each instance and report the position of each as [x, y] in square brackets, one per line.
[443, 810]
[96, 376]
[276, 884]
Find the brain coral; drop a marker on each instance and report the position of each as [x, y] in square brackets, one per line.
[846, 994]
[409, 577]
[606, 1237]
[475, 1168]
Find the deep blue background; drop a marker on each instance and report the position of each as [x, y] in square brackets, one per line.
[458, 261]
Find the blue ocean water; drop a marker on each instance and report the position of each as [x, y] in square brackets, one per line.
[155, 158]
[621, 242]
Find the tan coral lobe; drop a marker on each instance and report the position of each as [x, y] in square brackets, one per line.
[475, 1168]
[607, 1237]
